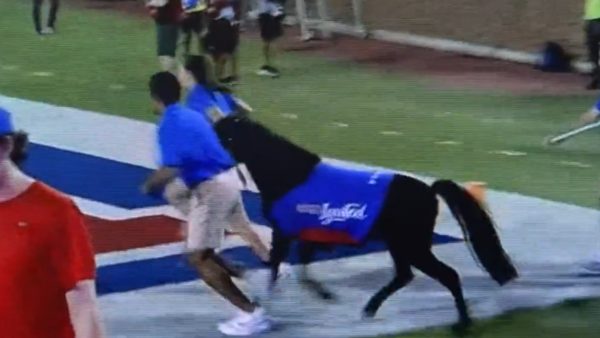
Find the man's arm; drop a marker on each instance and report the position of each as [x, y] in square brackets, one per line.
[83, 310]
[158, 179]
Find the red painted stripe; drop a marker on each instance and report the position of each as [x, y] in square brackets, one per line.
[326, 236]
[133, 233]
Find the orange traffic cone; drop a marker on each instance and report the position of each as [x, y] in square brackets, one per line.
[477, 190]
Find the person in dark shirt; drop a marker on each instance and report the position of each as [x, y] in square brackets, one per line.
[193, 22]
[37, 9]
[167, 15]
[270, 21]
[223, 36]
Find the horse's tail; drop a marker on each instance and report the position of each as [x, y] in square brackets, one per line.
[478, 228]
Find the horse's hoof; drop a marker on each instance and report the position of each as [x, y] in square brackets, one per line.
[462, 328]
[368, 314]
[328, 296]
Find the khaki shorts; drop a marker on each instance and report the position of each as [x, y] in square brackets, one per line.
[211, 208]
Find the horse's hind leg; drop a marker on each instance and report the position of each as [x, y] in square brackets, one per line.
[403, 276]
[306, 251]
[431, 266]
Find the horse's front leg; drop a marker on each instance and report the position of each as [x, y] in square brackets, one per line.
[307, 252]
[280, 248]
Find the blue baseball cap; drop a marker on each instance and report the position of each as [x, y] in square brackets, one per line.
[6, 126]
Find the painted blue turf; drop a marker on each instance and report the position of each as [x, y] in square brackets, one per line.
[95, 178]
[116, 183]
[174, 269]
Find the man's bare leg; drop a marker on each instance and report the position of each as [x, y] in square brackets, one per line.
[217, 275]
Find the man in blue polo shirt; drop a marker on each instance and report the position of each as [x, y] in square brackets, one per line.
[208, 194]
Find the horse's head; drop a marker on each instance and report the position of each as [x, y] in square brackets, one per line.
[276, 164]
[234, 134]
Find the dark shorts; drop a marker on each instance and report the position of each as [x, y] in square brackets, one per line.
[166, 36]
[193, 23]
[271, 27]
[222, 37]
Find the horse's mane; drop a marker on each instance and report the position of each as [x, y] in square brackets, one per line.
[276, 164]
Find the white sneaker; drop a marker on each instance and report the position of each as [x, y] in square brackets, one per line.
[246, 324]
[286, 271]
[48, 31]
[268, 71]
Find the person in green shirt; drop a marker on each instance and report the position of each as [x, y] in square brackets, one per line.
[592, 34]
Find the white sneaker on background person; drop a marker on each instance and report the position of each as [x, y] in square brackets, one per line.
[247, 324]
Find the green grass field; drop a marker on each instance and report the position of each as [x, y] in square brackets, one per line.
[101, 61]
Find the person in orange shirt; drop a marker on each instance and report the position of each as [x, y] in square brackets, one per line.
[46, 259]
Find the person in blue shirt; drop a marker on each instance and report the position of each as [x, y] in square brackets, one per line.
[208, 194]
[204, 92]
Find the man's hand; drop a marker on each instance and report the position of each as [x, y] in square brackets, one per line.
[158, 180]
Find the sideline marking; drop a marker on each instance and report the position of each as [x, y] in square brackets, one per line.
[117, 86]
[289, 116]
[390, 133]
[42, 74]
[10, 67]
[341, 125]
[448, 143]
[575, 164]
[508, 153]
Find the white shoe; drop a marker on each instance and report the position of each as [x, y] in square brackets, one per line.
[246, 324]
[285, 271]
[268, 72]
[48, 31]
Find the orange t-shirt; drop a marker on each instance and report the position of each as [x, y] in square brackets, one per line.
[45, 251]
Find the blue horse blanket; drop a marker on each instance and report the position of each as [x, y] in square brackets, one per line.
[333, 201]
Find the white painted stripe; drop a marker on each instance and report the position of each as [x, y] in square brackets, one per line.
[113, 213]
[132, 255]
[164, 250]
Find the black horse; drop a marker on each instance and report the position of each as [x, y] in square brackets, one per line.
[406, 221]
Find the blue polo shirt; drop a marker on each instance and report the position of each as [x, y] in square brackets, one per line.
[187, 141]
[202, 99]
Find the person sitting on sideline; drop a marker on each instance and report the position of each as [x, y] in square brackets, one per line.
[46, 258]
[209, 195]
